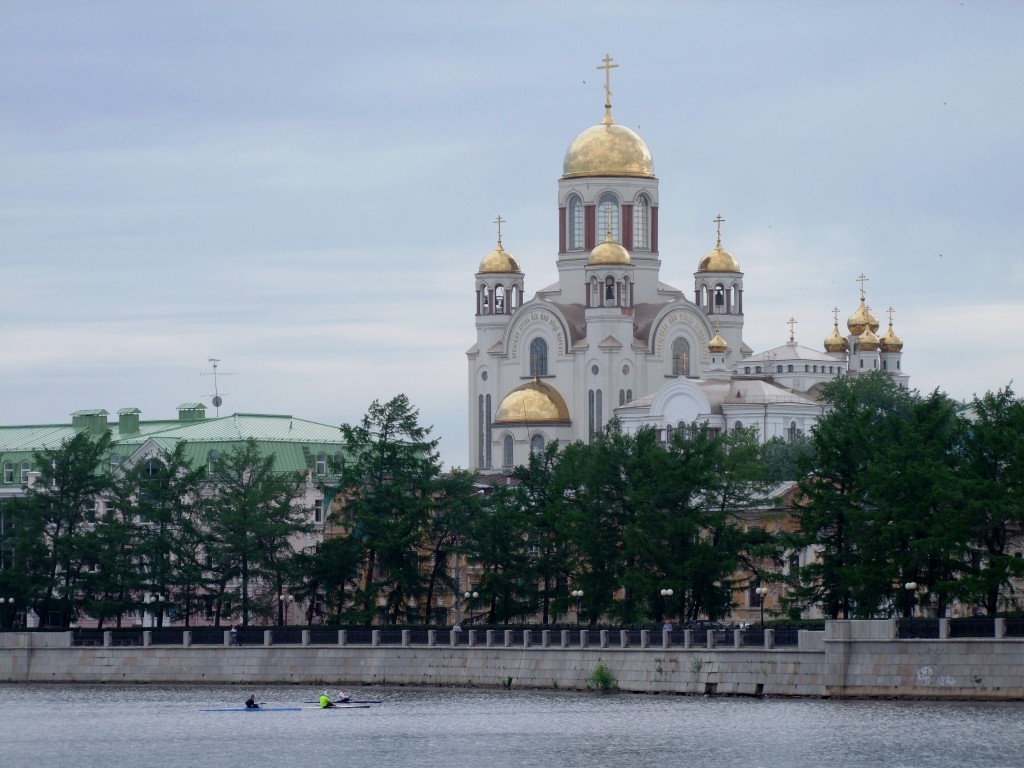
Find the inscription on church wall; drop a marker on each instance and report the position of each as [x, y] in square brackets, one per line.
[534, 318]
[670, 321]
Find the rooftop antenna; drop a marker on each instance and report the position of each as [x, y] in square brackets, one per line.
[217, 399]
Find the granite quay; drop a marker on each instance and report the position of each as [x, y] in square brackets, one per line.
[870, 658]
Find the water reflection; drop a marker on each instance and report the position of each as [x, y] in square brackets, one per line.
[163, 726]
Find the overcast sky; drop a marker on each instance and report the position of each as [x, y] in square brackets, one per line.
[305, 189]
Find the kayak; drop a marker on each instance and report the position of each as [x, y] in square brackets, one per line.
[253, 709]
[350, 701]
[349, 705]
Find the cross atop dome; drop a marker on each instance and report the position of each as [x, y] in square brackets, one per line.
[607, 67]
[499, 221]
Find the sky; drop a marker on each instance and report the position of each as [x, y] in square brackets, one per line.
[304, 190]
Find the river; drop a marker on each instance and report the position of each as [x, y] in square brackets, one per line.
[81, 726]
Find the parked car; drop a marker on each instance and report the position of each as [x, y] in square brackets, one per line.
[704, 624]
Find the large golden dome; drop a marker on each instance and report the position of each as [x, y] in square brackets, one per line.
[717, 345]
[608, 252]
[533, 403]
[718, 260]
[608, 149]
[867, 341]
[862, 319]
[499, 261]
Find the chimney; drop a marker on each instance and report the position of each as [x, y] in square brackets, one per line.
[128, 421]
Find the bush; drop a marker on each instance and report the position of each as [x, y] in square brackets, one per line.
[601, 679]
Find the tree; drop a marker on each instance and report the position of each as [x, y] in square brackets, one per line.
[253, 513]
[389, 478]
[54, 525]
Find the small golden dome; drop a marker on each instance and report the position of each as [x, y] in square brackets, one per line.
[867, 341]
[499, 261]
[718, 260]
[533, 403]
[717, 345]
[891, 342]
[836, 342]
[862, 319]
[608, 149]
[609, 252]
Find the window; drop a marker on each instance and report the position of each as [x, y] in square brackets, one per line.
[680, 357]
[757, 369]
[8, 472]
[212, 460]
[738, 425]
[89, 510]
[629, 395]
[791, 434]
[778, 369]
[609, 290]
[575, 224]
[746, 369]
[25, 469]
[321, 464]
[115, 462]
[338, 460]
[622, 397]
[595, 417]
[538, 357]
[506, 458]
[755, 599]
[641, 223]
[789, 368]
[536, 444]
[318, 510]
[608, 217]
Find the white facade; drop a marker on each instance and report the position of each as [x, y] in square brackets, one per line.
[610, 340]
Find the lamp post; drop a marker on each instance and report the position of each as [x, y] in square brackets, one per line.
[286, 601]
[910, 587]
[577, 595]
[6, 601]
[471, 598]
[666, 598]
[762, 592]
[155, 608]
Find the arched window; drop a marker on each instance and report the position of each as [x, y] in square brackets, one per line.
[629, 395]
[595, 413]
[536, 444]
[738, 425]
[641, 223]
[627, 300]
[575, 224]
[595, 293]
[668, 433]
[607, 217]
[538, 357]
[609, 290]
[321, 464]
[719, 296]
[791, 436]
[680, 357]
[506, 458]
[212, 461]
[8, 472]
[25, 469]
[499, 300]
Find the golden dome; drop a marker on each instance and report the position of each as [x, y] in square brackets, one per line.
[608, 149]
[867, 341]
[608, 252]
[862, 319]
[891, 342]
[533, 403]
[718, 260]
[499, 261]
[835, 342]
[717, 345]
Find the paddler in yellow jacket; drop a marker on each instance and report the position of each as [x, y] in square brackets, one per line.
[325, 700]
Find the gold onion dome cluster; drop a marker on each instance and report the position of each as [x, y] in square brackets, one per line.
[891, 342]
[609, 252]
[836, 342]
[532, 403]
[608, 149]
[862, 319]
[499, 261]
[718, 260]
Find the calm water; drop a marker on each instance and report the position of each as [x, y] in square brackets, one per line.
[116, 727]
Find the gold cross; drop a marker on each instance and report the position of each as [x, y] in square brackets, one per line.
[791, 322]
[890, 310]
[862, 279]
[499, 221]
[835, 315]
[608, 67]
[718, 220]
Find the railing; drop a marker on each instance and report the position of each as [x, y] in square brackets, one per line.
[787, 637]
[1015, 627]
[917, 629]
[983, 626]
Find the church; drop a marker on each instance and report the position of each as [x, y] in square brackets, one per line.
[609, 340]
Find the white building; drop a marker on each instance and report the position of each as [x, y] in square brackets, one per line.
[609, 339]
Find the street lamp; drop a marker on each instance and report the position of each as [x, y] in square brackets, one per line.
[154, 609]
[577, 595]
[471, 598]
[762, 592]
[286, 604]
[6, 601]
[910, 586]
[666, 597]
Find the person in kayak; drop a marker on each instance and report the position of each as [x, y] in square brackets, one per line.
[250, 703]
[342, 698]
[325, 700]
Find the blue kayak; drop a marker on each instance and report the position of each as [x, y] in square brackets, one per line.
[254, 709]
